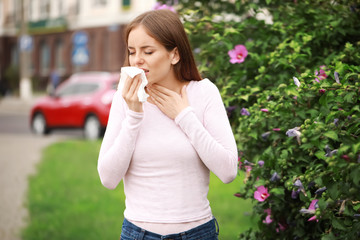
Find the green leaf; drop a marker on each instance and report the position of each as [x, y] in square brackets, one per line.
[349, 97]
[331, 134]
[338, 225]
[334, 191]
[355, 175]
[324, 100]
[320, 154]
[277, 191]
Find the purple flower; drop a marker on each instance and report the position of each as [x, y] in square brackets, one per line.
[244, 112]
[246, 162]
[268, 219]
[237, 195]
[281, 227]
[230, 110]
[336, 75]
[276, 129]
[294, 132]
[159, 6]
[238, 54]
[275, 177]
[298, 184]
[322, 91]
[265, 135]
[320, 191]
[261, 194]
[336, 121]
[296, 81]
[295, 194]
[264, 110]
[248, 169]
[311, 210]
[345, 157]
[320, 75]
[329, 152]
[261, 163]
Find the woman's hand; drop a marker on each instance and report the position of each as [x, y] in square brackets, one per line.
[168, 101]
[129, 93]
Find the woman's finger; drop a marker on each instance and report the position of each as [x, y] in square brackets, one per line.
[163, 90]
[134, 85]
[157, 94]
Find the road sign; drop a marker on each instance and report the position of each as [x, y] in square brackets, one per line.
[80, 56]
[26, 43]
[80, 38]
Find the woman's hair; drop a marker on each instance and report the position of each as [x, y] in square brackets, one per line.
[166, 27]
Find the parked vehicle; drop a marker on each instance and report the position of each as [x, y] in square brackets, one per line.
[82, 101]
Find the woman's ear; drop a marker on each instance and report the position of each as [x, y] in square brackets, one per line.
[175, 56]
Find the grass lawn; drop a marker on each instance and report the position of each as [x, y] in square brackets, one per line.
[67, 201]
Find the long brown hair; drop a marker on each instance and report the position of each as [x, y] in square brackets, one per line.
[166, 27]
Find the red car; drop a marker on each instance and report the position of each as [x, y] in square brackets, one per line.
[82, 101]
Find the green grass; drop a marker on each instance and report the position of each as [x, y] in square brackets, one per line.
[67, 201]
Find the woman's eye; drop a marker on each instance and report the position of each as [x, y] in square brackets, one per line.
[148, 53]
[131, 53]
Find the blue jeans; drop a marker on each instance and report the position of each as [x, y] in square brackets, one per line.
[206, 231]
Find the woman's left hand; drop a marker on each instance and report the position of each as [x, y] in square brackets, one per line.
[168, 101]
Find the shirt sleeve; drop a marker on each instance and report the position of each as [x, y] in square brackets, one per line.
[213, 139]
[119, 142]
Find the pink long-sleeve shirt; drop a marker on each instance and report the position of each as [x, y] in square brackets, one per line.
[165, 164]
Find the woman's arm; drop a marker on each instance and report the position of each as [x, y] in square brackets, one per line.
[119, 142]
[213, 140]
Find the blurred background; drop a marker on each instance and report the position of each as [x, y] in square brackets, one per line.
[41, 37]
[49, 186]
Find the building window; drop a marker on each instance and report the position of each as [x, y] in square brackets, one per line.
[44, 58]
[59, 55]
[99, 2]
[1, 11]
[44, 9]
[106, 47]
[14, 55]
[126, 4]
[77, 7]
[60, 6]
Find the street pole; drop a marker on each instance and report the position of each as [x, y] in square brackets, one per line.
[25, 81]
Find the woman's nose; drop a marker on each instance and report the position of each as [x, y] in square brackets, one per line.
[138, 60]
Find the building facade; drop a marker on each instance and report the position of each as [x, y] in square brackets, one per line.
[65, 36]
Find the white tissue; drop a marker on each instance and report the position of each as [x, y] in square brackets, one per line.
[132, 72]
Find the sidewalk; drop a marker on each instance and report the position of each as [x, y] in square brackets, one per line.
[19, 154]
[15, 105]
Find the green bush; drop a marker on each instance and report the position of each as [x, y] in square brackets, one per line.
[12, 77]
[294, 105]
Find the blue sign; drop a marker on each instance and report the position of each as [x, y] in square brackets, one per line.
[26, 43]
[80, 55]
[80, 38]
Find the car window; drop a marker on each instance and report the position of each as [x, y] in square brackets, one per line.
[67, 91]
[77, 89]
[85, 88]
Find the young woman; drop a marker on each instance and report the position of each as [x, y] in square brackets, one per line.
[164, 149]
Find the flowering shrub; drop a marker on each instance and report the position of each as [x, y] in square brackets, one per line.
[294, 105]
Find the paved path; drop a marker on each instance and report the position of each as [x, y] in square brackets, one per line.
[19, 154]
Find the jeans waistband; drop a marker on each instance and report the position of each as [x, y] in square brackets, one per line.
[211, 228]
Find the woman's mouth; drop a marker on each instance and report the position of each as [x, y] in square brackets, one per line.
[145, 70]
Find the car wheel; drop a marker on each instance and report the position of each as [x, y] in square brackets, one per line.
[92, 128]
[38, 124]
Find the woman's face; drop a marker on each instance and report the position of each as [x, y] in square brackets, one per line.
[148, 54]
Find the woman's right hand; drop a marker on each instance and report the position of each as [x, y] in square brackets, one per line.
[129, 93]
